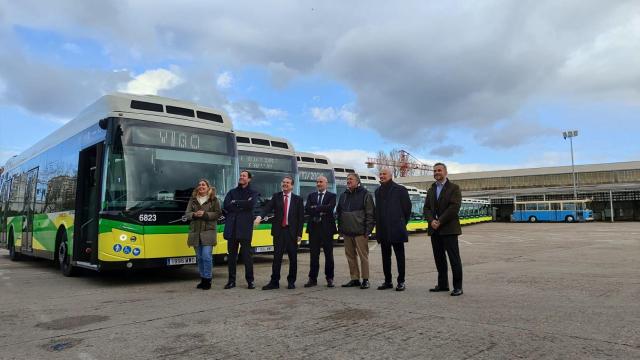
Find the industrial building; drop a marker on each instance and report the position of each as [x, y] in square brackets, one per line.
[611, 186]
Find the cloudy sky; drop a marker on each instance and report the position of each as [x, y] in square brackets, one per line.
[480, 85]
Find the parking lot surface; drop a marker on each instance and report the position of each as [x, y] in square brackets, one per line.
[534, 291]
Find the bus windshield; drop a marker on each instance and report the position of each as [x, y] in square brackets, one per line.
[341, 185]
[308, 177]
[417, 203]
[155, 166]
[267, 171]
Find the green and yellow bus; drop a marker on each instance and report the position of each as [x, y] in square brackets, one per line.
[269, 159]
[108, 190]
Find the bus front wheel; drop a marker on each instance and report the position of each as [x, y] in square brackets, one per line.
[13, 254]
[533, 219]
[569, 218]
[64, 260]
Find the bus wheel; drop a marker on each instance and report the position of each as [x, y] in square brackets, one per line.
[569, 218]
[533, 219]
[64, 259]
[13, 254]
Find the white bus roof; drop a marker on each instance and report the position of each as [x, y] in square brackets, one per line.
[412, 189]
[550, 201]
[476, 201]
[143, 107]
[263, 143]
[342, 170]
[314, 161]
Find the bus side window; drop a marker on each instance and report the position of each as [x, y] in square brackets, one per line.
[543, 206]
[568, 206]
[531, 206]
[555, 206]
[520, 207]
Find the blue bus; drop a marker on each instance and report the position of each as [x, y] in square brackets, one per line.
[552, 211]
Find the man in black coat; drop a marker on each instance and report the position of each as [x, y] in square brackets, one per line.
[238, 228]
[321, 227]
[441, 208]
[393, 211]
[286, 229]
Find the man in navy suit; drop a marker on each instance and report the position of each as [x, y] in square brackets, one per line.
[286, 229]
[393, 211]
[238, 209]
[321, 227]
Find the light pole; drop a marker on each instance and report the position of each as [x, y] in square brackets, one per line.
[571, 134]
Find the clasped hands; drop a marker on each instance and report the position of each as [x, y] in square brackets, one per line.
[435, 224]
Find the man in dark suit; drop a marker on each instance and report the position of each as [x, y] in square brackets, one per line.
[238, 230]
[286, 229]
[393, 211]
[441, 209]
[321, 227]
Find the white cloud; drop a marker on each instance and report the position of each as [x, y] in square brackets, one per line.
[323, 114]
[350, 157]
[330, 113]
[72, 48]
[498, 56]
[151, 82]
[224, 80]
[275, 113]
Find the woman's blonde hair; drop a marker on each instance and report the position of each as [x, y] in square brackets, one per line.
[212, 190]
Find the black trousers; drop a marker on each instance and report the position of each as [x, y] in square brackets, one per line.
[324, 241]
[281, 244]
[448, 244]
[398, 249]
[246, 251]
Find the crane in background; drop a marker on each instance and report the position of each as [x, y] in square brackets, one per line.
[401, 162]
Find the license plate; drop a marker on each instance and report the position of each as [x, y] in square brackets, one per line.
[263, 249]
[181, 261]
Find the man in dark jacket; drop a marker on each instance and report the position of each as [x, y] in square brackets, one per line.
[238, 228]
[393, 210]
[356, 219]
[441, 209]
[321, 227]
[286, 229]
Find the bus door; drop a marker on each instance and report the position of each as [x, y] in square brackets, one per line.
[6, 187]
[85, 236]
[555, 213]
[29, 206]
[579, 211]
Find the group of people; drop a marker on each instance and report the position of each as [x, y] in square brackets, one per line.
[356, 213]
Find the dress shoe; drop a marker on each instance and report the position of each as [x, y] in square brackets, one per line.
[199, 286]
[400, 287]
[251, 285]
[271, 286]
[457, 292]
[230, 285]
[311, 283]
[385, 286]
[365, 284]
[438, 289]
[330, 283]
[206, 285]
[291, 286]
[352, 283]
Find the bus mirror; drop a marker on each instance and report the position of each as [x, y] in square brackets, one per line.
[103, 123]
